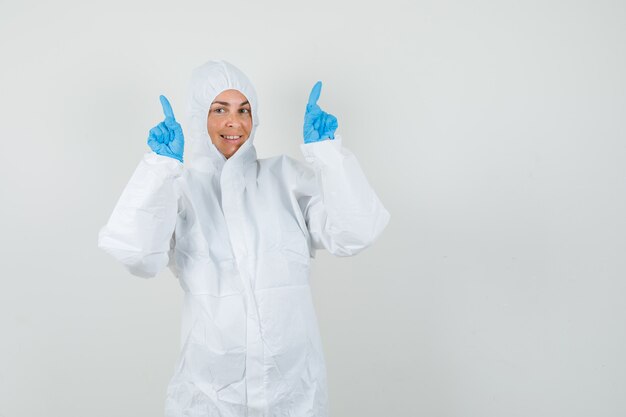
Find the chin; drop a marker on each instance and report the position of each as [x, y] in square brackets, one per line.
[229, 152]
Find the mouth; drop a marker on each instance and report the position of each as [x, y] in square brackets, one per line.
[232, 138]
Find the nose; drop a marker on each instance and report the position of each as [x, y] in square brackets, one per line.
[232, 121]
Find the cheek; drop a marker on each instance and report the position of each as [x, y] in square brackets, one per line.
[248, 125]
[211, 125]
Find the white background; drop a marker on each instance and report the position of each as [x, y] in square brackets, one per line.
[493, 131]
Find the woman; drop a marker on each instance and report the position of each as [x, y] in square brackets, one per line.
[239, 233]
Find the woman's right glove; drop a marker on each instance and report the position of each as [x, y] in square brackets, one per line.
[166, 138]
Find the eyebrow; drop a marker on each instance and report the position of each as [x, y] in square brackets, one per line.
[223, 103]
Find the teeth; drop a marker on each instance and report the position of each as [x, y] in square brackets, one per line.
[232, 137]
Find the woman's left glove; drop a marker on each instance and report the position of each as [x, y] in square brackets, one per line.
[318, 125]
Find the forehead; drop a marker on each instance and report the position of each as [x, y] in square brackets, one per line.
[231, 96]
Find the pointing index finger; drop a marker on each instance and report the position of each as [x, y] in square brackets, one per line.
[167, 108]
[315, 93]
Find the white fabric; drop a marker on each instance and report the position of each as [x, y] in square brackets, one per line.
[239, 234]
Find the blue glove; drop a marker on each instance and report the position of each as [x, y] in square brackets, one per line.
[318, 125]
[166, 138]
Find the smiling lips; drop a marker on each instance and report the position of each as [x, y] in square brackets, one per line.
[231, 137]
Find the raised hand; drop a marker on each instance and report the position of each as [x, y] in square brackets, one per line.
[166, 138]
[318, 125]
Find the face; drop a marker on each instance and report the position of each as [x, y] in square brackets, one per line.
[229, 121]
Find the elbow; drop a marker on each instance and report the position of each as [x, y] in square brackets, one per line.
[345, 250]
[134, 260]
[361, 235]
[141, 270]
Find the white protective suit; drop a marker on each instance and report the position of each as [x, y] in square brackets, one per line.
[239, 234]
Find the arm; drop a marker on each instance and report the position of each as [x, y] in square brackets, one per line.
[140, 229]
[342, 212]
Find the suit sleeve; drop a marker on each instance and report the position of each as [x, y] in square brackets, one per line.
[140, 231]
[343, 214]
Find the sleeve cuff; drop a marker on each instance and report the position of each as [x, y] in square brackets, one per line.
[164, 165]
[327, 151]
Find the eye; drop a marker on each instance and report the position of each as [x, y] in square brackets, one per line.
[244, 111]
[219, 110]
